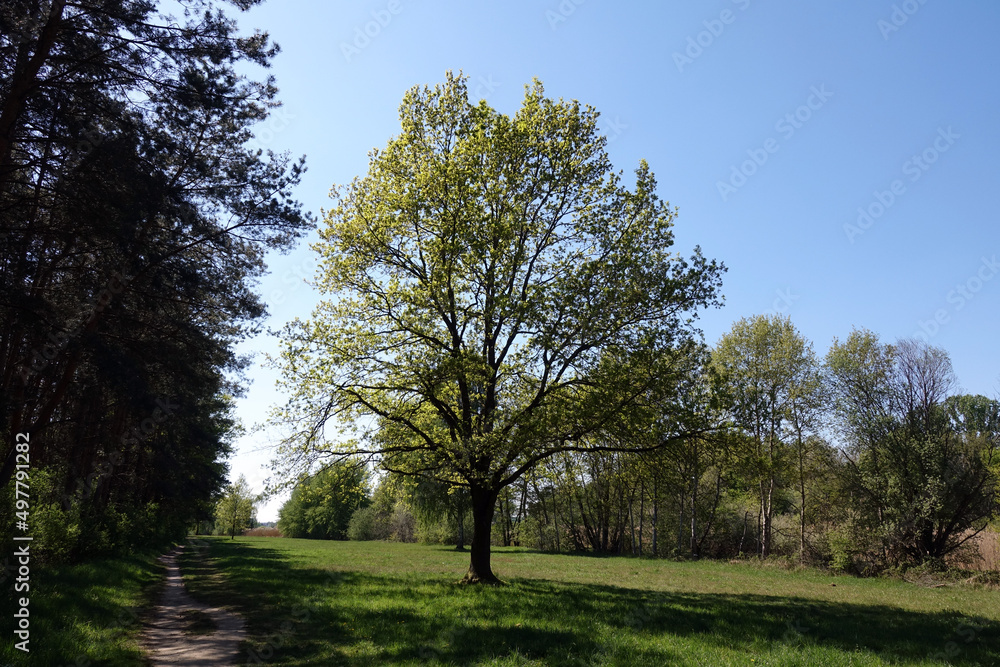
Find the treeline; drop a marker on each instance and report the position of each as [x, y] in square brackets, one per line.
[133, 222]
[862, 460]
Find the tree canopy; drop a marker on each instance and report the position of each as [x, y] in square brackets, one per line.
[919, 457]
[769, 376]
[134, 218]
[495, 294]
[321, 507]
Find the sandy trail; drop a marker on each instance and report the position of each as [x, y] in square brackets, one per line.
[165, 638]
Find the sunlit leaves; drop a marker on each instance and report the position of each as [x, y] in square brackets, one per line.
[484, 276]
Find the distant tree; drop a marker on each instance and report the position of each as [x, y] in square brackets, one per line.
[237, 509]
[767, 371]
[919, 459]
[388, 517]
[976, 419]
[497, 295]
[804, 419]
[364, 524]
[432, 500]
[321, 506]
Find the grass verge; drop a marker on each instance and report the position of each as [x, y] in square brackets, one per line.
[370, 603]
[87, 614]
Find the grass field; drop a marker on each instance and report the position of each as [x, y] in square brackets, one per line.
[371, 603]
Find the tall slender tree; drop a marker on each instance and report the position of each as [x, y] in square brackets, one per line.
[237, 508]
[764, 364]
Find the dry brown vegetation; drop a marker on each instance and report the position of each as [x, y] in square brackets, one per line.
[982, 554]
[263, 531]
[989, 550]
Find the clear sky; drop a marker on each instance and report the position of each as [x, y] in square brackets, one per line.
[842, 159]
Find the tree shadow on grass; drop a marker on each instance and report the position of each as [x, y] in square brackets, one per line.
[76, 617]
[302, 615]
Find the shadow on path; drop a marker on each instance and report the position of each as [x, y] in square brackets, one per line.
[166, 638]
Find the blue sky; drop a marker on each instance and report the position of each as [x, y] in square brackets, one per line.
[840, 158]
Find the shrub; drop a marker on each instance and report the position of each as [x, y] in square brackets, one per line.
[364, 525]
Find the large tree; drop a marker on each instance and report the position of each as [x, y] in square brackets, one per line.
[496, 296]
[133, 222]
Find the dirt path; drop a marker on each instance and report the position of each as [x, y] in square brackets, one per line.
[165, 638]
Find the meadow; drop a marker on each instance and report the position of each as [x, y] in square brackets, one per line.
[374, 603]
[310, 602]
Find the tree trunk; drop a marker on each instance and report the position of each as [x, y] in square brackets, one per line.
[656, 514]
[509, 519]
[802, 502]
[680, 522]
[460, 546]
[746, 517]
[25, 83]
[631, 520]
[767, 510]
[555, 517]
[620, 528]
[545, 515]
[483, 504]
[642, 510]
[522, 513]
[707, 526]
[694, 516]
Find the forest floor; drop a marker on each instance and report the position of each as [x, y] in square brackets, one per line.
[312, 602]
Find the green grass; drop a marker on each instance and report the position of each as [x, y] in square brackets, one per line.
[356, 603]
[89, 614]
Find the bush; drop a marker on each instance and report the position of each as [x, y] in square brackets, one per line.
[402, 524]
[375, 523]
[364, 525]
[851, 551]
